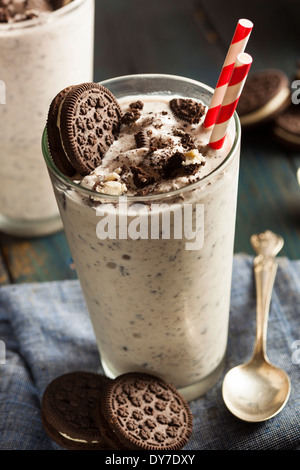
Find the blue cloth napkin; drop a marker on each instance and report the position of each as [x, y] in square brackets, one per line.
[45, 331]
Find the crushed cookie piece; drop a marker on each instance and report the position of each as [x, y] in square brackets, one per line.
[130, 117]
[173, 164]
[136, 105]
[141, 177]
[187, 110]
[141, 139]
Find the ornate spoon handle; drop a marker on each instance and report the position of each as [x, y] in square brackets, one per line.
[266, 245]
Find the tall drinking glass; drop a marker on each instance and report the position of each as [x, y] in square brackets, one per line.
[155, 270]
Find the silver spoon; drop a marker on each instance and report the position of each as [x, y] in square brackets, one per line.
[257, 390]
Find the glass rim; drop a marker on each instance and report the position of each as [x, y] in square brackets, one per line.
[167, 194]
[43, 19]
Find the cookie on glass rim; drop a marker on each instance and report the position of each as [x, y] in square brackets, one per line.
[58, 154]
[83, 122]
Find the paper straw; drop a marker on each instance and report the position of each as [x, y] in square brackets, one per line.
[237, 46]
[231, 98]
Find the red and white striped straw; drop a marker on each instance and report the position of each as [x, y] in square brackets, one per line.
[237, 45]
[231, 98]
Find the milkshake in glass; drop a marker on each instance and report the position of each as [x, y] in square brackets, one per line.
[44, 47]
[151, 231]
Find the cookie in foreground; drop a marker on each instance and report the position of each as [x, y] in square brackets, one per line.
[69, 406]
[143, 412]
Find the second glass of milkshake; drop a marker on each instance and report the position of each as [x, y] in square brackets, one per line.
[155, 266]
[44, 47]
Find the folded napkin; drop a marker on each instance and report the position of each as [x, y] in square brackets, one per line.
[45, 331]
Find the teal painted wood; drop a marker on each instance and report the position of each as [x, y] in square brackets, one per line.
[275, 39]
[38, 259]
[269, 196]
[157, 37]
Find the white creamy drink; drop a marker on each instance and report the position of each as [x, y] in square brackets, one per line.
[158, 299]
[44, 46]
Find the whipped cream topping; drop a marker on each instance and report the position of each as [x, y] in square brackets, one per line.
[155, 152]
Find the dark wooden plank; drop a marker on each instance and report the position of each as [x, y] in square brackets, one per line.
[156, 37]
[275, 39]
[269, 196]
[37, 260]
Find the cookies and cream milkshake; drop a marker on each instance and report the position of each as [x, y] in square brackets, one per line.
[151, 226]
[45, 45]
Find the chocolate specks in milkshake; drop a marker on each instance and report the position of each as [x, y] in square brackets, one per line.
[187, 110]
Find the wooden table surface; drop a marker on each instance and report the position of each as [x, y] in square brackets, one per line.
[190, 38]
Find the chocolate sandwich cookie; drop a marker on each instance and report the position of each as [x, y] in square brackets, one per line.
[265, 95]
[185, 109]
[69, 406]
[286, 128]
[88, 120]
[58, 154]
[143, 412]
